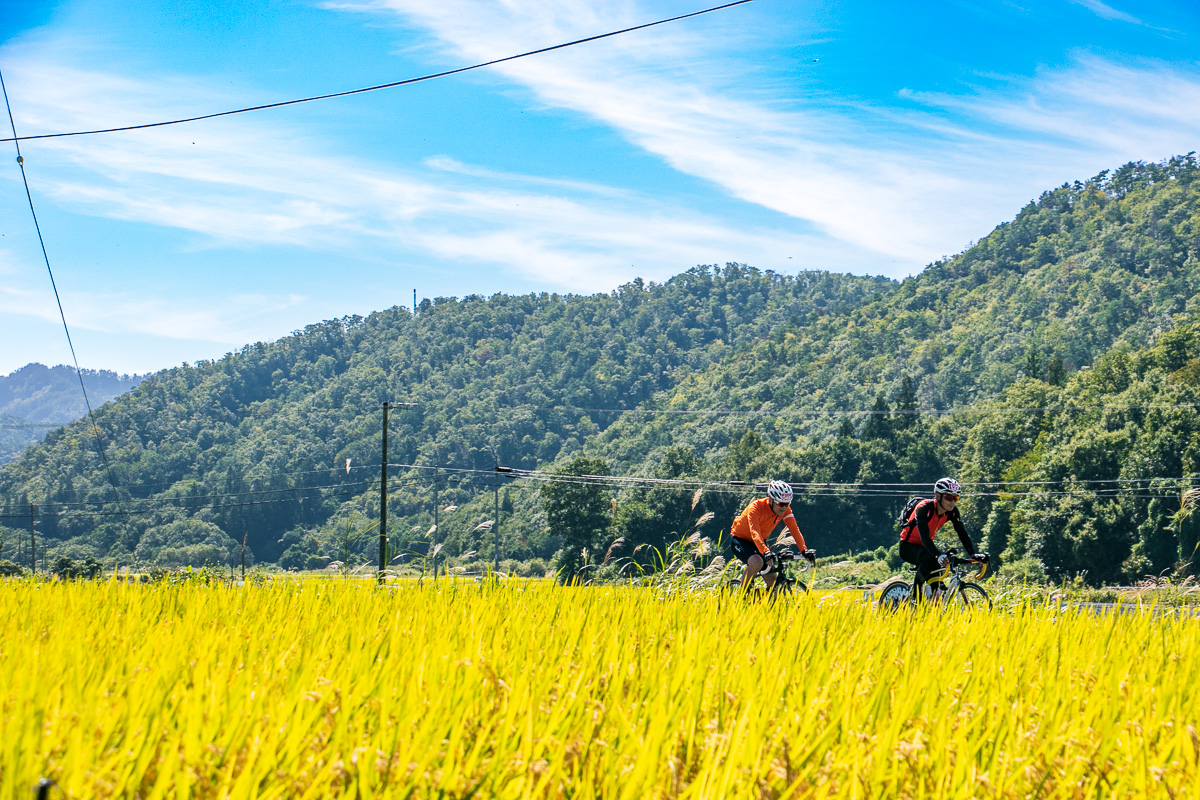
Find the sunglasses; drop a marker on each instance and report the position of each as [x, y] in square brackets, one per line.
[785, 505]
[950, 496]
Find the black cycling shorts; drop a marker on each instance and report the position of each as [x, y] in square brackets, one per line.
[927, 563]
[743, 549]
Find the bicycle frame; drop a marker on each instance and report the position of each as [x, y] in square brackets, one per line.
[785, 580]
[946, 585]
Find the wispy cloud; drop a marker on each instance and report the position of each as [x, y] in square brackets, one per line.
[877, 190]
[1106, 11]
[908, 185]
[254, 183]
[234, 321]
[1094, 111]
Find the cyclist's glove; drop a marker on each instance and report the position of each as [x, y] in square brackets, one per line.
[982, 558]
[811, 555]
[769, 561]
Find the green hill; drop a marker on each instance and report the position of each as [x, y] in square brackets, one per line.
[718, 374]
[36, 398]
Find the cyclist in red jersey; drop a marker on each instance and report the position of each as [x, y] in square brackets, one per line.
[917, 532]
[749, 532]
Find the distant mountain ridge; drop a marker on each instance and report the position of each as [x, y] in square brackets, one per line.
[36, 398]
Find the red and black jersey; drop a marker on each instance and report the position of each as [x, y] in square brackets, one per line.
[923, 524]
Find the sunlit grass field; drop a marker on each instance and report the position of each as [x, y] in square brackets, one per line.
[339, 688]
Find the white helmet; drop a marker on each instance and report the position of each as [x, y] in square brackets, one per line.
[779, 491]
[947, 486]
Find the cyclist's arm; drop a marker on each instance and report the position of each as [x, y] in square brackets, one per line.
[963, 536]
[790, 521]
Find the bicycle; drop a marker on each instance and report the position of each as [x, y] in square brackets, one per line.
[786, 584]
[954, 588]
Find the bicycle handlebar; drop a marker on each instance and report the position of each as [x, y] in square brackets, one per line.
[784, 557]
[955, 561]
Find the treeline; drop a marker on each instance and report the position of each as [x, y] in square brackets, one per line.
[1085, 300]
[35, 398]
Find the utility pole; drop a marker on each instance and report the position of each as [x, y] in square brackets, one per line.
[383, 497]
[436, 529]
[496, 515]
[32, 541]
[496, 525]
[383, 491]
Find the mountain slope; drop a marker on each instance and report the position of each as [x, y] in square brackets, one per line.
[257, 443]
[35, 398]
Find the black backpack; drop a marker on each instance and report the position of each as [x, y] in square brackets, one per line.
[909, 507]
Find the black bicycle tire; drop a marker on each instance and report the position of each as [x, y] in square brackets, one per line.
[781, 588]
[964, 598]
[892, 604]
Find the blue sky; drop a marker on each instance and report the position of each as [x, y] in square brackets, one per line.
[870, 137]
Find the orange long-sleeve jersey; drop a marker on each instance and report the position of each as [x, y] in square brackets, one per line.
[757, 522]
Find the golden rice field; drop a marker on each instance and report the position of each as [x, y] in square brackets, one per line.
[318, 688]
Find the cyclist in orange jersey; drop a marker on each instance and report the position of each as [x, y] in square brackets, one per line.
[749, 532]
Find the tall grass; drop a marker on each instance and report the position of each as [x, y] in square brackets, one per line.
[315, 688]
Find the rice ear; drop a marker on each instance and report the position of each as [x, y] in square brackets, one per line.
[616, 545]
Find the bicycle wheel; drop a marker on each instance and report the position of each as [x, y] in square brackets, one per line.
[782, 588]
[895, 594]
[970, 595]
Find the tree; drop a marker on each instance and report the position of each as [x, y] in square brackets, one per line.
[1033, 363]
[879, 423]
[1056, 374]
[906, 404]
[579, 509]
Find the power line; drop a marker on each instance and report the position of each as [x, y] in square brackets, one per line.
[24, 426]
[815, 490]
[377, 87]
[58, 300]
[817, 412]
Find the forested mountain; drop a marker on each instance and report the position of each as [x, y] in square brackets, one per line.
[1081, 307]
[36, 398]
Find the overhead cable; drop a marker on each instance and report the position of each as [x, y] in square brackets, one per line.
[377, 87]
[62, 314]
[818, 412]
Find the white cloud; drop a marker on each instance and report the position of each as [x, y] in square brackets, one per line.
[1095, 113]
[909, 186]
[252, 183]
[233, 321]
[881, 187]
[1106, 11]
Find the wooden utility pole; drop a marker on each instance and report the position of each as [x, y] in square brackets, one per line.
[383, 489]
[383, 474]
[32, 541]
[436, 529]
[496, 525]
[496, 515]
